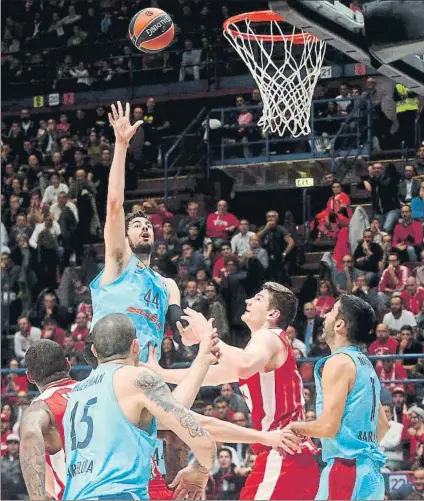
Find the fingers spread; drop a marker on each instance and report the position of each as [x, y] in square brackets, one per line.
[120, 110]
[114, 112]
[127, 110]
[111, 120]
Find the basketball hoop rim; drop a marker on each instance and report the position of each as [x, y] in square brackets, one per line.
[265, 16]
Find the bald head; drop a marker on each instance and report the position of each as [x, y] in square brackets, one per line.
[411, 285]
[113, 336]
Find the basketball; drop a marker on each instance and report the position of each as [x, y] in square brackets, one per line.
[151, 30]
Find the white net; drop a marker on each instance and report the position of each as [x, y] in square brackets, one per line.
[286, 69]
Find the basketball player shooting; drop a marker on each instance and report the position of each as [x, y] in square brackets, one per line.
[351, 420]
[127, 284]
[268, 378]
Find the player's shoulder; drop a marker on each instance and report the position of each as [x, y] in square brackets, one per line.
[271, 338]
[340, 364]
[140, 377]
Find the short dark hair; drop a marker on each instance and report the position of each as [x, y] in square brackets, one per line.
[282, 299]
[112, 336]
[132, 215]
[46, 362]
[406, 328]
[359, 317]
[220, 400]
[225, 449]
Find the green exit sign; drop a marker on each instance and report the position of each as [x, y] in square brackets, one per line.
[304, 182]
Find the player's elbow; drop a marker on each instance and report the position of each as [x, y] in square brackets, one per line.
[115, 202]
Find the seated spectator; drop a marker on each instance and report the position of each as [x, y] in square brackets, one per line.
[49, 308]
[393, 278]
[310, 326]
[296, 343]
[389, 370]
[408, 236]
[20, 381]
[63, 201]
[344, 280]
[337, 213]
[409, 187]
[158, 214]
[68, 345]
[257, 251]
[194, 238]
[217, 311]
[240, 243]
[192, 299]
[170, 355]
[222, 409]
[193, 259]
[319, 348]
[235, 401]
[24, 338]
[325, 300]
[417, 487]
[163, 259]
[412, 296]
[391, 445]
[80, 330]
[52, 191]
[370, 296]
[417, 205]
[240, 419]
[398, 317]
[52, 331]
[48, 224]
[227, 483]
[384, 344]
[367, 256]
[408, 345]
[12, 481]
[190, 62]
[377, 234]
[219, 268]
[416, 435]
[170, 238]
[21, 228]
[221, 224]
[419, 271]
[192, 217]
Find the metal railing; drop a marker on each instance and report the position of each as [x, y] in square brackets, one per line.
[184, 365]
[184, 149]
[265, 148]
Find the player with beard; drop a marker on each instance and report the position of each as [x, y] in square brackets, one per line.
[127, 284]
[350, 418]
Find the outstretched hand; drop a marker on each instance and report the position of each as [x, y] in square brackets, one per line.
[121, 124]
[190, 484]
[197, 329]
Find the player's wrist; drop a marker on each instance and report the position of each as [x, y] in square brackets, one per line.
[121, 144]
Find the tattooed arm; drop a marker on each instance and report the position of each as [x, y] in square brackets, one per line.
[159, 401]
[32, 452]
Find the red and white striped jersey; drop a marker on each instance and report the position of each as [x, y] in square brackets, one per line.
[56, 398]
[275, 398]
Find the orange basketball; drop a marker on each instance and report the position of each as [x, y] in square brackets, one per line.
[151, 30]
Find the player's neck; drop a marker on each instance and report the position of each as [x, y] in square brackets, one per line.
[144, 258]
[339, 343]
[54, 383]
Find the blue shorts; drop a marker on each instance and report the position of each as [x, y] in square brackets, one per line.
[351, 479]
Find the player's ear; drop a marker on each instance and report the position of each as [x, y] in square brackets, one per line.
[93, 350]
[29, 377]
[274, 314]
[339, 326]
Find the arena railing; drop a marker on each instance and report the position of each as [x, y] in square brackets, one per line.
[183, 365]
[222, 148]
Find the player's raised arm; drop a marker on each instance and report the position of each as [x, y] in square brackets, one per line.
[32, 452]
[159, 401]
[338, 377]
[117, 250]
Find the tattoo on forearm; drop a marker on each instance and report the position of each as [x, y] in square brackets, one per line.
[157, 391]
[33, 464]
[198, 467]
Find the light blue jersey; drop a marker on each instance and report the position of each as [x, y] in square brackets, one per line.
[352, 456]
[140, 293]
[106, 455]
